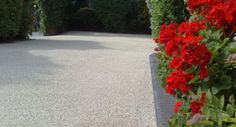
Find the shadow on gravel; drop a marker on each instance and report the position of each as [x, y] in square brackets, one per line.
[103, 34]
[51, 44]
[164, 103]
[22, 62]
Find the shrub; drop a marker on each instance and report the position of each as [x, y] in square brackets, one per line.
[198, 65]
[138, 19]
[85, 19]
[166, 11]
[15, 19]
[53, 16]
[112, 13]
[10, 15]
[26, 20]
[123, 15]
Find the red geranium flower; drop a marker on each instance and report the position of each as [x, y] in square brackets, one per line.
[176, 63]
[178, 81]
[167, 33]
[178, 104]
[195, 107]
[203, 72]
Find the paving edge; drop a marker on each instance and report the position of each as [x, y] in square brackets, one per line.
[163, 102]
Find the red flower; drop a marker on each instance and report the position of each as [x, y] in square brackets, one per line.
[203, 72]
[201, 55]
[178, 104]
[191, 28]
[195, 54]
[203, 98]
[195, 107]
[167, 33]
[172, 47]
[192, 39]
[178, 81]
[217, 15]
[176, 63]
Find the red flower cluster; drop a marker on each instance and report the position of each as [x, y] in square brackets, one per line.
[184, 45]
[178, 104]
[196, 106]
[221, 13]
[178, 81]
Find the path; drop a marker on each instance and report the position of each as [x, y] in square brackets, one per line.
[79, 79]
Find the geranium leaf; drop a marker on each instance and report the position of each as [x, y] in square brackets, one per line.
[232, 47]
[222, 101]
[220, 120]
[230, 109]
[231, 99]
[215, 101]
[209, 97]
[223, 83]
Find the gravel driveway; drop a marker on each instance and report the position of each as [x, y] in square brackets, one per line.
[78, 79]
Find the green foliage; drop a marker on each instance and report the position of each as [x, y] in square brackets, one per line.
[9, 19]
[53, 16]
[15, 19]
[85, 19]
[113, 13]
[26, 20]
[138, 18]
[166, 11]
[122, 15]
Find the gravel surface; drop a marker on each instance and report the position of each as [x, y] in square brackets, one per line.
[79, 79]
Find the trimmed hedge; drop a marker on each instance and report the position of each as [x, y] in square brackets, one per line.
[139, 19]
[53, 16]
[15, 19]
[85, 19]
[166, 11]
[112, 13]
[26, 20]
[9, 19]
[122, 15]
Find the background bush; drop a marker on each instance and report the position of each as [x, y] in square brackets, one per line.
[15, 19]
[166, 11]
[53, 16]
[26, 21]
[139, 18]
[122, 15]
[85, 19]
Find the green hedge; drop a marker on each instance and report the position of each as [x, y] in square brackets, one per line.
[139, 18]
[85, 19]
[122, 15]
[15, 19]
[53, 16]
[112, 13]
[26, 19]
[166, 11]
[9, 19]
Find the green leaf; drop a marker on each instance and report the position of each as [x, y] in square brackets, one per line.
[195, 79]
[231, 99]
[223, 83]
[232, 47]
[199, 91]
[220, 121]
[206, 112]
[230, 109]
[215, 101]
[208, 97]
[233, 125]
[222, 101]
